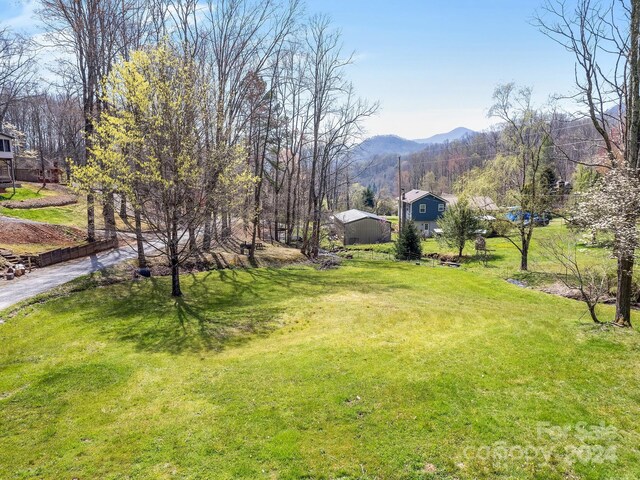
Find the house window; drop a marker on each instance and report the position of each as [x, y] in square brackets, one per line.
[441, 207]
[426, 227]
[423, 208]
[5, 146]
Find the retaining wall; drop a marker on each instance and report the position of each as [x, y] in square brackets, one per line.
[70, 253]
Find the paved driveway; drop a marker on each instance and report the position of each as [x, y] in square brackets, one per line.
[43, 279]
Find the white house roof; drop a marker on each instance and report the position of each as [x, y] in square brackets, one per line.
[354, 215]
[2, 134]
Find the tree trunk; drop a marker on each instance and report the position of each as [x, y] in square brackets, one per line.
[207, 233]
[91, 218]
[524, 256]
[123, 207]
[624, 290]
[142, 259]
[175, 269]
[592, 312]
[193, 241]
[175, 278]
[109, 215]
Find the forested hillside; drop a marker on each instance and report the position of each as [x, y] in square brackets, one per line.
[440, 167]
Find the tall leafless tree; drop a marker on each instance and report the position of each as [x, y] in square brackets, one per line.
[604, 38]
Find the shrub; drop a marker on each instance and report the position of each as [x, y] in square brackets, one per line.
[408, 245]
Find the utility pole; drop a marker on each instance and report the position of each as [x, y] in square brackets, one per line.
[400, 206]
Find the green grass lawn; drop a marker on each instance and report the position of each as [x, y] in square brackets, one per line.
[374, 370]
[504, 259]
[74, 215]
[71, 215]
[25, 192]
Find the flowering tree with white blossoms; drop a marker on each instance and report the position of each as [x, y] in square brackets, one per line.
[613, 205]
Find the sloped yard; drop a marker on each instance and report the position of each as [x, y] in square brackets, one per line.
[371, 370]
[28, 238]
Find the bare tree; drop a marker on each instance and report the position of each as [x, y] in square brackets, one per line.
[336, 116]
[590, 281]
[95, 32]
[17, 69]
[600, 34]
[524, 137]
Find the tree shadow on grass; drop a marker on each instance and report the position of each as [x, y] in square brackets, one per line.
[489, 261]
[219, 309]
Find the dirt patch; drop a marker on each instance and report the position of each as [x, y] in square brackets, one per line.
[18, 233]
[443, 257]
[560, 289]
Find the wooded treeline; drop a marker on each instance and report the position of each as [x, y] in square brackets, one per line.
[252, 95]
[441, 168]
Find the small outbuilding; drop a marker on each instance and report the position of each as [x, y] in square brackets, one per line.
[356, 226]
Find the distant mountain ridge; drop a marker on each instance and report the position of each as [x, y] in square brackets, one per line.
[385, 144]
[455, 134]
[393, 144]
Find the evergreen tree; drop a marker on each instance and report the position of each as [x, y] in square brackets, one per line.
[369, 198]
[548, 179]
[408, 245]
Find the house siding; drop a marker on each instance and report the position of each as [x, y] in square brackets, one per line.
[367, 230]
[428, 218]
[426, 232]
[432, 212]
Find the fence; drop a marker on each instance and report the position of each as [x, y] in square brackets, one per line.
[70, 253]
[387, 257]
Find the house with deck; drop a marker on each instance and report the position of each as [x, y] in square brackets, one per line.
[6, 160]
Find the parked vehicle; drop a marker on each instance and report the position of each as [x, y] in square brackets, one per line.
[515, 214]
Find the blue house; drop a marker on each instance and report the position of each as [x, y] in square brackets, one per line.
[424, 208]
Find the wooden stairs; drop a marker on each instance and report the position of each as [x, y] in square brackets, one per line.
[12, 258]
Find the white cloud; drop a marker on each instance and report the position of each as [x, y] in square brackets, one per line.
[26, 21]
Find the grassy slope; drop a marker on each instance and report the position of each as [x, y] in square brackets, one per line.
[26, 192]
[369, 371]
[505, 257]
[70, 215]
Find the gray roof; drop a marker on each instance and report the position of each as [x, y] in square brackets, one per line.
[478, 202]
[354, 215]
[6, 135]
[413, 195]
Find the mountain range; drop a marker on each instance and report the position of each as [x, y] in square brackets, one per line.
[393, 144]
[455, 134]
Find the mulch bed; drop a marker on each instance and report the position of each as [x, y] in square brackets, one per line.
[53, 201]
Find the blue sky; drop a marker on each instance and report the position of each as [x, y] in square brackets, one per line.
[432, 64]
